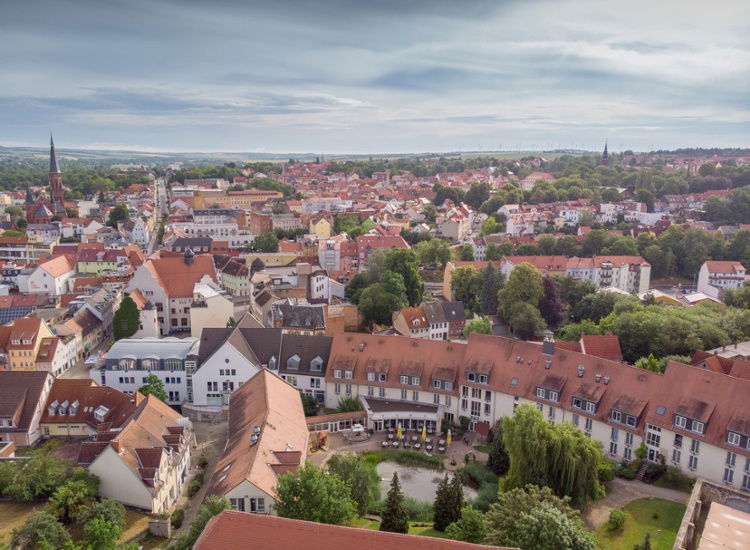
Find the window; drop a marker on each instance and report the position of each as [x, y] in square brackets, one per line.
[487, 409]
[698, 427]
[631, 421]
[464, 404]
[150, 364]
[728, 476]
[590, 407]
[676, 456]
[448, 386]
[403, 379]
[488, 395]
[589, 425]
[733, 439]
[348, 375]
[415, 380]
[381, 377]
[371, 377]
[680, 421]
[403, 395]
[552, 396]
[476, 408]
[551, 413]
[731, 458]
[470, 376]
[315, 383]
[613, 447]
[415, 396]
[336, 373]
[483, 378]
[615, 434]
[695, 446]
[693, 463]
[577, 403]
[677, 441]
[348, 389]
[436, 398]
[576, 420]
[370, 391]
[382, 391]
[437, 384]
[627, 454]
[448, 400]
[541, 393]
[628, 439]
[337, 389]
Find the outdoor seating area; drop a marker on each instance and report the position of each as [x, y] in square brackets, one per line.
[399, 438]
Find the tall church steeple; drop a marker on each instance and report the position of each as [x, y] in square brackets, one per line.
[605, 155]
[57, 195]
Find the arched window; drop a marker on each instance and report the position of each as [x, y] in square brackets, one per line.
[150, 363]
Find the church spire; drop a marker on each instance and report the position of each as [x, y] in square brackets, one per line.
[605, 155]
[53, 168]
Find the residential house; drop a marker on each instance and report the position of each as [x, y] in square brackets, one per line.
[211, 307]
[22, 397]
[412, 322]
[715, 276]
[268, 437]
[321, 226]
[50, 277]
[22, 341]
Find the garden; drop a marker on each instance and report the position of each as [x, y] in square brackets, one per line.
[656, 518]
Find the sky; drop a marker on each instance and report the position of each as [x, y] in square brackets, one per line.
[388, 76]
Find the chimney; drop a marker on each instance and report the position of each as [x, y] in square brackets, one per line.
[548, 346]
[189, 257]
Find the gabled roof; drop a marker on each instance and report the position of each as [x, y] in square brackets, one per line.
[20, 392]
[272, 405]
[177, 277]
[231, 530]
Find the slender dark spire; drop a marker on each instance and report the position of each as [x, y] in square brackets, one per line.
[53, 168]
[605, 155]
[29, 196]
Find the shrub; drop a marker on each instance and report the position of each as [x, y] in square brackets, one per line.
[626, 470]
[194, 487]
[203, 461]
[654, 472]
[641, 451]
[177, 517]
[673, 478]
[418, 510]
[486, 496]
[616, 519]
[606, 470]
[475, 475]
[405, 458]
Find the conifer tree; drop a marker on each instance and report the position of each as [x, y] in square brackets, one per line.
[442, 506]
[395, 518]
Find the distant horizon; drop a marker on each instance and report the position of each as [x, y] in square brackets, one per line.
[349, 78]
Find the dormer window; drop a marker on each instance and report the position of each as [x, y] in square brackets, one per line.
[53, 407]
[316, 364]
[382, 377]
[74, 407]
[689, 424]
[348, 375]
[272, 363]
[63, 408]
[337, 373]
[293, 362]
[734, 439]
[415, 380]
[549, 395]
[100, 412]
[371, 377]
[437, 384]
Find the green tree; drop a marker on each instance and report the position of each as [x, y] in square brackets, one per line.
[491, 280]
[616, 519]
[551, 305]
[41, 530]
[546, 528]
[395, 518]
[497, 459]
[119, 213]
[404, 262]
[377, 304]
[526, 321]
[504, 516]
[21, 224]
[557, 455]
[646, 543]
[349, 404]
[493, 252]
[433, 252]
[393, 283]
[312, 494]
[480, 326]
[465, 286]
[154, 386]
[266, 242]
[466, 253]
[100, 534]
[470, 527]
[430, 213]
[447, 507]
[212, 506]
[355, 287]
[14, 211]
[309, 404]
[126, 319]
[106, 509]
[360, 476]
[71, 498]
[523, 286]
[738, 297]
[477, 194]
[490, 226]
[37, 478]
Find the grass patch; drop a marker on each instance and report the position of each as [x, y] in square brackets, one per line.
[673, 478]
[482, 448]
[659, 517]
[135, 524]
[405, 458]
[15, 514]
[419, 528]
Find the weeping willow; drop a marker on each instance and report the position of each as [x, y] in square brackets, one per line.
[559, 456]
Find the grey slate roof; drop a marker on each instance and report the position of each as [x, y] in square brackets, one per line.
[298, 316]
[454, 311]
[434, 312]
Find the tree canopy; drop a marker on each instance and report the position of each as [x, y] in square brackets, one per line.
[313, 494]
[126, 319]
[154, 386]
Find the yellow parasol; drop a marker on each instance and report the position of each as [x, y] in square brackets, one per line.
[424, 433]
[399, 433]
[448, 439]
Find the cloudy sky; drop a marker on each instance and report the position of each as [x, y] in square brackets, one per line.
[356, 76]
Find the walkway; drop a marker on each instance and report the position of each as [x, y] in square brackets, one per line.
[621, 492]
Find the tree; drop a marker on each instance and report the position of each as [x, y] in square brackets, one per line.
[404, 262]
[504, 516]
[526, 321]
[377, 304]
[21, 223]
[447, 507]
[360, 476]
[154, 386]
[430, 213]
[470, 527]
[433, 252]
[266, 242]
[309, 404]
[497, 459]
[393, 283]
[355, 287]
[491, 280]
[126, 319]
[646, 543]
[466, 253]
[395, 518]
[557, 455]
[551, 306]
[212, 506]
[477, 194]
[493, 252]
[119, 213]
[231, 322]
[349, 404]
[41, 530]
[71, 498]
[312, 494]
[107, 509]
[14, 211]
[571, 290]
[738, 297]
[480, 326]
[257, 265]
[37, 478]
[465, 286]
[616, 519]
[523, 286]
[101, 534]
[546, 528]
[490, 226]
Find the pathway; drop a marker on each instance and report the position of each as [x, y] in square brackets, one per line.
[621, 492]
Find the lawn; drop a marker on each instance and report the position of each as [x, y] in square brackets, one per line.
[482, 448]
[415, 528]
[659, 517]
[14, 514]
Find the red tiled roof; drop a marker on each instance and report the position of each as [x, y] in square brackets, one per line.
[231, 530]
[606, 346]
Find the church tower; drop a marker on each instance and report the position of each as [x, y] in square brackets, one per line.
[55, 182]
[605, 155]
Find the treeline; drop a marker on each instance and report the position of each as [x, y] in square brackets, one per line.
[82, 181]
[227, 171]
